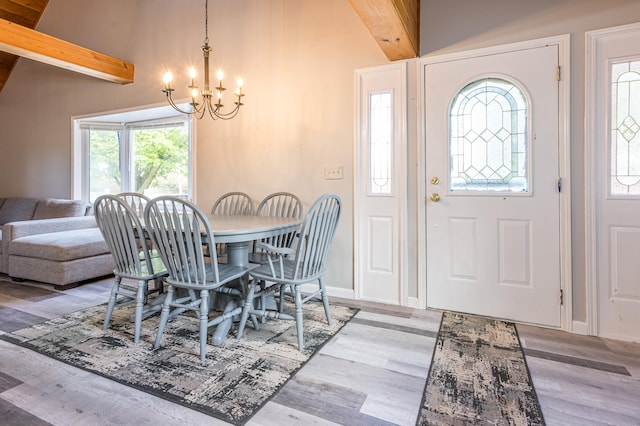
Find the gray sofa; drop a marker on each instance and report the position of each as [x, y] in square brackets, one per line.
[51, 240]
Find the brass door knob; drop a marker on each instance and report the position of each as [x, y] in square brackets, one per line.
[435, 197]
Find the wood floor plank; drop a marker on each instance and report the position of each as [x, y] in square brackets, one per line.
[580, 392]
[12, 415]
[403, 352]
[7, 382]
[404, 390]
[274, 414]
[13, 319]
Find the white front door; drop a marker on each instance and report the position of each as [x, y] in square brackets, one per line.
[492, 184]
[614, 89]
[380, 185]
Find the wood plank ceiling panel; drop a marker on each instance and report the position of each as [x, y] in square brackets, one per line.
[394, 24]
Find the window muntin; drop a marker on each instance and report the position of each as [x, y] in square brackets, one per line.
[625, 129]
[380, 143]
[488, 149]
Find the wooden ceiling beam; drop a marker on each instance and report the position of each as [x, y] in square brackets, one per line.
[31, 44]
[395, 25]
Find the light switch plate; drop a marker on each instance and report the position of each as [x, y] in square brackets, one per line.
[333, 173]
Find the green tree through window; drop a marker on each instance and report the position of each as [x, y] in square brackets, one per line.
[152, 157]
[161, 160]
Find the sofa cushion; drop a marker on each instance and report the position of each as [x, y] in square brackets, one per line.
[61, 246]
[49, 208]
[15, 209]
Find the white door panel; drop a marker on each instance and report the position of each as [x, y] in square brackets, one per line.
[495, 252]
[380, 185]
[616, 118]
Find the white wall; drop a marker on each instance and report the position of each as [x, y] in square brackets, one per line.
[296, 57]
[457, 25]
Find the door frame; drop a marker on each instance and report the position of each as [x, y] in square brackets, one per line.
[591, 178]
[564, 161]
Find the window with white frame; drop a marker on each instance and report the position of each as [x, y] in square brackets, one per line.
[152, 156]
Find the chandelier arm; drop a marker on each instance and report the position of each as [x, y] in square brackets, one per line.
[199, 113]
[176, 107]
[233, 111]
[226, 116]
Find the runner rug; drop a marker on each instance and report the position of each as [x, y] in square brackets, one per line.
[478, 375]
[236, 379]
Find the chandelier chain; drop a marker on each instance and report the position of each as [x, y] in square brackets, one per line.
[206, 21]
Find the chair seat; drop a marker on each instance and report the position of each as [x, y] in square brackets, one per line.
[264, 273]
[226, 273]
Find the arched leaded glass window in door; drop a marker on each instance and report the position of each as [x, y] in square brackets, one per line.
[488, 149]
[625, 130]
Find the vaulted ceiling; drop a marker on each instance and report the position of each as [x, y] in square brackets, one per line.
[394, 24]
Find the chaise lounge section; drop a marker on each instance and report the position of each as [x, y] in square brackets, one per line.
[52, 241]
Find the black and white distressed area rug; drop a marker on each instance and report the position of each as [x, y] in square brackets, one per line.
[236, 379]
[478, 375]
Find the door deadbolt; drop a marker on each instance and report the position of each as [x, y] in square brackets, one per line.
[435, 180]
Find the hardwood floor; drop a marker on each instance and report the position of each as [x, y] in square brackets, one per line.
[371, 373]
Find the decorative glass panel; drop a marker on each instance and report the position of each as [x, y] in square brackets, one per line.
[380, 143]
[625, 128]
[488, 138]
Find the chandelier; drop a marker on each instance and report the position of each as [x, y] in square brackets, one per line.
[206, 95]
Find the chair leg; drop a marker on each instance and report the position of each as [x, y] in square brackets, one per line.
[325, 301]
[281, 302]
[248, 307]
[166, 307]
[263, 300]
[112, 302]
[204, 322]
[299, 327]
[141, 295]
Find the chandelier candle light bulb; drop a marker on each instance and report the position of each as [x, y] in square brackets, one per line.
[167, 80]
[207, 105]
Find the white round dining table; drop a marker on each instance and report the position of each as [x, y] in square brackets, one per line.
[237, 232]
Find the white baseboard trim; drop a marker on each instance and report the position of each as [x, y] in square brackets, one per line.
[580, 327]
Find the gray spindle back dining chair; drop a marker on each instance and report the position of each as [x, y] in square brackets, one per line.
[182, 236]
[231, 203]
[297, 266]
[278, 204]
[234, 203]
[120, 226]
